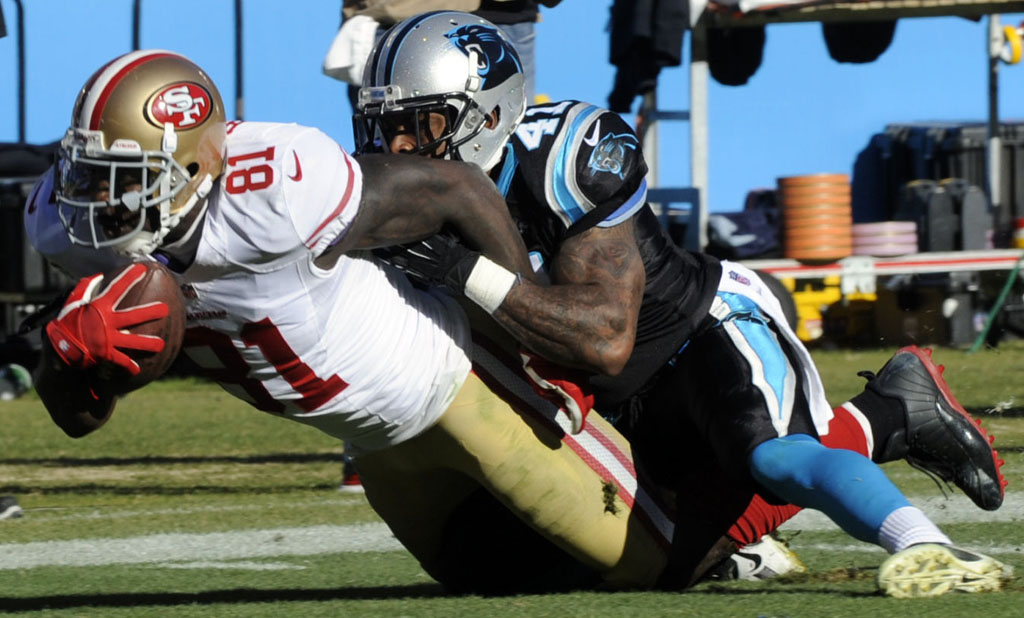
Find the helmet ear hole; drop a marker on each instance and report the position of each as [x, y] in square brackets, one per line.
[193, 169]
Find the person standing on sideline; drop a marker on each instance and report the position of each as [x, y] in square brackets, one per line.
[365, 21]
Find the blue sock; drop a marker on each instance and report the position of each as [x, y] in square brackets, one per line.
[845, 485]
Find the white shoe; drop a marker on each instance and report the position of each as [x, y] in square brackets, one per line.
[766, 559]
[929, 570]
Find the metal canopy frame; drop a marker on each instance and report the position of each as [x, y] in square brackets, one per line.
[239, 82]
[837, 12]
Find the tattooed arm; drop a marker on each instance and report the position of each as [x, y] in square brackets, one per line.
[409, 198]
[587, 318]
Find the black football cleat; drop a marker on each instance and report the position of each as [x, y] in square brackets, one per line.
[940, 437]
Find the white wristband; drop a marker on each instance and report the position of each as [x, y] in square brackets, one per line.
[488, 284]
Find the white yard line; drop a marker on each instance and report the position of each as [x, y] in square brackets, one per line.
[957, 509]
[108, 513]
[993, 550]
[214, 547]
[238, 549]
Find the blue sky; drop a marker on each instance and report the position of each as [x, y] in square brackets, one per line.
[800, 113]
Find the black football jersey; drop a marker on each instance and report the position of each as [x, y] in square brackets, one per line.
[571, 166]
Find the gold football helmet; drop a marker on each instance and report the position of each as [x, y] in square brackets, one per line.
[144, 148]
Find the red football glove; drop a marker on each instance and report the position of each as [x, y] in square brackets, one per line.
[88, 330]
[564, 387]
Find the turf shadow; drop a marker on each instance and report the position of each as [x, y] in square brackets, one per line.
[217, 597]
[159, 460]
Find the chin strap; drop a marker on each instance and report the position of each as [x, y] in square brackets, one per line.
[145, 243]
[196, 221]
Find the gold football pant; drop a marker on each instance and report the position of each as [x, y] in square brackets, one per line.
[578, 491]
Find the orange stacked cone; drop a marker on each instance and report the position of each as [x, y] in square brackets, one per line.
[816, 217]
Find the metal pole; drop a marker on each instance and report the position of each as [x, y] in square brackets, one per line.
[20, 26]
[696, 229]
[649, 139]
[994, 43]
[136, 12]
[239, 98]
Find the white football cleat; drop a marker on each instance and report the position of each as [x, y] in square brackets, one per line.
[930, 570]
[766, 559]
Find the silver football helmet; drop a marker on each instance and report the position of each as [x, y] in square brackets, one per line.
[447, 62]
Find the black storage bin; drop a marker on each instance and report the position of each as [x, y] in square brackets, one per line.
[936, 151]
[23, 269]
[26, 278]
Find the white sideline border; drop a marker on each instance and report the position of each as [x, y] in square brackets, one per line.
[954, 510]
[241, 549]
[210, 548]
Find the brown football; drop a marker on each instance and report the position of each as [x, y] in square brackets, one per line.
[158, 284]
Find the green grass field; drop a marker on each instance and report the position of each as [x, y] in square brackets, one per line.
[190, 503]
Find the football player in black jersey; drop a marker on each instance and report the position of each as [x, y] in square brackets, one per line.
[690, 355]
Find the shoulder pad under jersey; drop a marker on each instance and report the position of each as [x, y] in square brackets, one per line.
[583, 161]
[287, 191]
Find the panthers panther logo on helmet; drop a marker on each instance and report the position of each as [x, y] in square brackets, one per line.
[496, 59]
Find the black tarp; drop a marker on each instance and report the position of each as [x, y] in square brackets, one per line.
[24, 160]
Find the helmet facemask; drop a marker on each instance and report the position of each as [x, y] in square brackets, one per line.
[119, 197]
[383, 118]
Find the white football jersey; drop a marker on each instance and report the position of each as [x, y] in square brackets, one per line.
[355, 351]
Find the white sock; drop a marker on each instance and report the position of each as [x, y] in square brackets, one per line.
[908, 526]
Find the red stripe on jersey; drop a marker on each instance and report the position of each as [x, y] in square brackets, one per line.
[509, 396]
[656, 520]
[599, 467]
[654, 515]
[591, 430]
[613, 448]
[108, 89]
[311, 241]
[522, 406]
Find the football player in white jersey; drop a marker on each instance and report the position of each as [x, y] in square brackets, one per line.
[264, 226]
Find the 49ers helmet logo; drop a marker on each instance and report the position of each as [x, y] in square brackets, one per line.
[185, 105]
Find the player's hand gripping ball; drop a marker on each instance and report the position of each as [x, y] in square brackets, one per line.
[126, 325]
